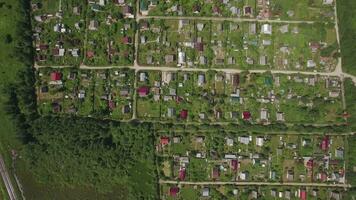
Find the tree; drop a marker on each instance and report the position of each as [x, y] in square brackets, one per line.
[8, 39]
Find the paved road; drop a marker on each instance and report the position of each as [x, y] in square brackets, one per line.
[256, 183]
[6, 178]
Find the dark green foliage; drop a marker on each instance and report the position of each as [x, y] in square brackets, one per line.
[8, 39]
[350, 168]
[346, 9]
[87, 152]
[350, 97]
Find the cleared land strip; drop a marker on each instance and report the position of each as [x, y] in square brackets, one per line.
[5, 176]
[234, 19]
[138, 68]
[255, 183]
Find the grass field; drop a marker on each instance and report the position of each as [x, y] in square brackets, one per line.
[347, 30]
[8, 70]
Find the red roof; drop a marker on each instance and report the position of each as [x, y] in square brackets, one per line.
[234, 165]
[182, 174]
[111, 104]
[56, 76]
[126, 40]
[184, 114]
[216, 10]
[199, 46]
[143, 91]
[310, 164]
[173, 191]
[303, 195]
[164, 141]
[325, 143]
[216, 173]
[90, 54]
[246, 115]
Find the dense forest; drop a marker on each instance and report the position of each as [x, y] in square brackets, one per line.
[78, 151]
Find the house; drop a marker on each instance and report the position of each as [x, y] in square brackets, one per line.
[44, 89]
[244, 176]
[143, 91]
[290, 175]
[93, 25]
[264, 115]
[219, 61]
[112, 105]
[126, 109]
[202, 60]
[81, 94]
[254, 194]
[266, 29]
[199, 46]
[336, 195]
[119, 2]
[246, 115]
[303, 194]
[205, 192]
[201, 79]
[234, 165]
[58, 52]
[90, 54]
[181, 58]
[259, 141]
[181, 174]
[266, 42]
[173, 191]
[328, 2]
[284, 29]
[231, 61]
[143, 76]
[200, 26]
[263, 60]
[149, 60]
[127, 11]
[325, 143]
[169, 58]
[183, 114]
[56, 76]
[314, 46]
[247, 10]
[196, 9]
[171, 112]
[339, 153]
[126, 40]
[176, 140]
[199, 139]
[235, 11]
[280, 116]
[311, 63]
[216, 10]
[252, 28]
[164, 141]
[216, 173]
[334, 93]
[144, 7]
[230, 156]
[244, 139]
[56, 107]
[229, 142]
[75, 52]
[287, 194]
